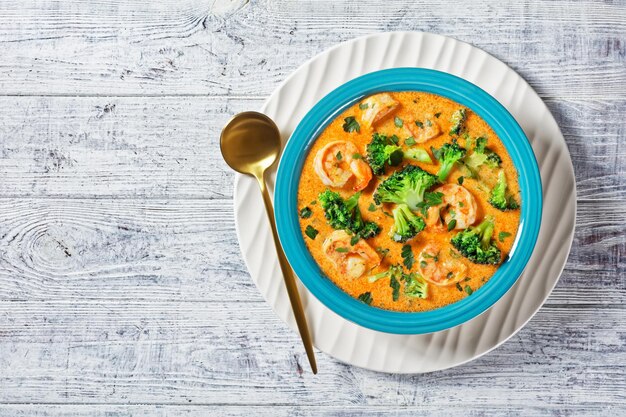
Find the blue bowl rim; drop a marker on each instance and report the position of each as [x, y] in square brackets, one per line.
[407, 79]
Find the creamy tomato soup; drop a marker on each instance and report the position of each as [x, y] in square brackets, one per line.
[408, 201]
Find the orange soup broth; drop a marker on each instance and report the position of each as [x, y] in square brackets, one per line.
[415, 105]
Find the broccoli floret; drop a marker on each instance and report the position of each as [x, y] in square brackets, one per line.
[383, 150]
[395, 274]
[448, 155]
[493, 159]
[345, 214]
[419, 154]
[499, 197]
[369, 229]
[481, 155]
[480, 144]
[335, 210]
[406, 186]
[477, 245]
[475, 160]
[486, 155]
[457, 119]
[393, 271]
[415, 286]
[405, 224]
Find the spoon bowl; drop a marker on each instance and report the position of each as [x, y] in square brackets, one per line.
[250, 143]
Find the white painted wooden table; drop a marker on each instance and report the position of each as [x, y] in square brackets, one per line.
[122, 290]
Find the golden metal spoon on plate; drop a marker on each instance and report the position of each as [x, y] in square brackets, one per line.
[250, 144]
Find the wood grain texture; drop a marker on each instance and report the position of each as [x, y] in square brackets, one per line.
[116, 147]
[75, 410]
[144, 352]
[122, 290]
[564, 48]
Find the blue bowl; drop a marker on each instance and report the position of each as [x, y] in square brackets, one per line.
[407, 79]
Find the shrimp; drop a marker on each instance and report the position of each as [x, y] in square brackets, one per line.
[336, 164]
[423, 131]
[377, 107]
[351, 261]
[440, 268]
[458, 206]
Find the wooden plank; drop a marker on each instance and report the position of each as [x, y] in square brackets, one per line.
[169, 146]
[563, 48]
[125, 249]
[595, 139]
[122, 147]
[528, 410]
[221, 353]
[186, 250]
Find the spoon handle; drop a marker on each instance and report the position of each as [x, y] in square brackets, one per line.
[290, 280]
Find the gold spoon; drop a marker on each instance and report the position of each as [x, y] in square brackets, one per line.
[250, 144]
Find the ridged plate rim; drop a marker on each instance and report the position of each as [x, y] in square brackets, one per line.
[386, 352]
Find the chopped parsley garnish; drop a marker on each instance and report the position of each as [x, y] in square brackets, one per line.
[433, 199]
[423, 264]
[430, 199]
[395, 285]
[467, 279]
[469, 290]
[429, 123]
[311, 232]
[398, 121]
[314, 202]
[339, 157]
[372, 207]
[342, 250]
[357, 156]
[305, 213]
[460, 180]
[354, 240]
[366, 297]
[503, 235]
[437, 115]
[364, 106]
[351, 125]
[435, 258]
[410, 141]
[452, 224]
[458, 287]
[407, 256]
[420, 124]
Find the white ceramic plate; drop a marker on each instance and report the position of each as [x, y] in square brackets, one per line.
[385, 352]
